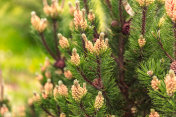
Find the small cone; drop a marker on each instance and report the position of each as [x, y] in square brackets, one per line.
[173, 66]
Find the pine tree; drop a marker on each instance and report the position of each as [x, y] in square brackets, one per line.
[107, 58]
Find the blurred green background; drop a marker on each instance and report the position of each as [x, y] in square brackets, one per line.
[20, 57]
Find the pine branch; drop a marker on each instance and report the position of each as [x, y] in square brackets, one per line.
[96, 35]
[121, 13]
[103, 89]
[44, 109]
[85, 78]
[161, 45]
[83, 109]
[55, 38]
[86, 6]
[46, 45]
[98, 67]
[109, 4]
[174, 29]
[84, 48]
[144, 12]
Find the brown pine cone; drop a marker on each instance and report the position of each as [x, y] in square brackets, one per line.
[98, 83]
[60, 64]
[173, 66]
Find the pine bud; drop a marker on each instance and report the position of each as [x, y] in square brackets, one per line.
[153, 113]
[63, 41]
[91, 16]
[145, 2]
[141, 41]
[58, 72]
[77, 16]
[170, 82]
[43, 25]
[62, 115]
[77, 91]
[47, 62]
[150, 73]
[3, 109]
[77, 5]
[161, 21]
[48, 74]
[88, 44]
[39, 24]
[155, 83]
[133, 109]
[83, 22]
[30, 101]
[72, 9]
[106, 42]
[54, 9]
[36, 97]
[62, 89]
[44, 95]
[84, 37]
[99, 101]
[170, 7]
[75, 59]
[55, 91]
[46, 8]
[68, 74]
[100, 45]
[84, 88]
[48, 87]
[39, 77]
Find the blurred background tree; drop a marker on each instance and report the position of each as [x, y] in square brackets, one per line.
[19, 54]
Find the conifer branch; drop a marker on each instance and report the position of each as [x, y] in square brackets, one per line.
[83, 109]
[96, 35]
[161, 45]
[98, 67]
[46, 46]
[144, 12]
[121, 13]
[46, 111]
[85, 78]
[103, 89]
[84, 48]
[174, 29]
[109, 4]
[55, 38]
[86, 6]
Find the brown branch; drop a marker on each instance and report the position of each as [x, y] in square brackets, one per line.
[109, 4]
[84, 48]
[44, 109]
[98, 67]
[83, 109]
[85, 78]
[46, 46]
[55, 38]
[144, 12]
[103, 88]
[161, 45]
[121, 13]
[86, 6]
[174, 29]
